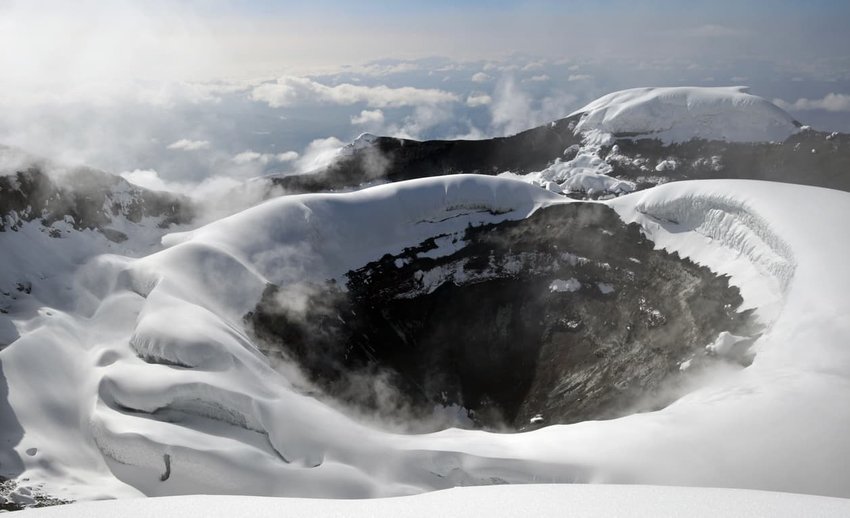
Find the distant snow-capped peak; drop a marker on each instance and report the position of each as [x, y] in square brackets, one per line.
[680, 114]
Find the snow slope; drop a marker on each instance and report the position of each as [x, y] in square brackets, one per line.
[204, 412]
[579, 501]
[679, 114]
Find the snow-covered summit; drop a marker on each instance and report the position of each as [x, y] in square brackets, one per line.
[680, 114]
[363, 141]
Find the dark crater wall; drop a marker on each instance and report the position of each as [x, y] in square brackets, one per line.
[393, 159]
[482, 327]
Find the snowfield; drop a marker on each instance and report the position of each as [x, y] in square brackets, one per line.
[150, 385]
[679, 114]
[541, 501]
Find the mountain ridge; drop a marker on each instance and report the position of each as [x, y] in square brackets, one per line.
[638, 158]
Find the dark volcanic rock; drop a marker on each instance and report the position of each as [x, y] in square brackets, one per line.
[565, 316]
[393, 159]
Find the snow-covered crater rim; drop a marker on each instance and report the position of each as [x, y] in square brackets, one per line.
[732, 224]
[723, 230]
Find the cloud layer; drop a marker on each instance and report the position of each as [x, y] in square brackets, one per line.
[189, 145]
[831, 102]
[291, 90]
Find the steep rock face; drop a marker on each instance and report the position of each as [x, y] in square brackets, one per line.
[393, 159]
[86, 199]
[565, 316]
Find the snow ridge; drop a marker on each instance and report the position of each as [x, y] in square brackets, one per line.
[732, 224]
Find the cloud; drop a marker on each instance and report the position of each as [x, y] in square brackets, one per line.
[216, 196]
[510, 108]
[189, 145]
[537, 79]
[292, 90]
[421, 120]
[319, 153]
[132, 127]
[84, 49]
[478, 99]
[481, 77]
[387, 69]
[150, 179]
[287, 156]
[514, 110]
[371, 117]
[472, 133]
[831, 102]
[249, 156]
[173, 93]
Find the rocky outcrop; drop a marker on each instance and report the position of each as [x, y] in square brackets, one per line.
[85, 199]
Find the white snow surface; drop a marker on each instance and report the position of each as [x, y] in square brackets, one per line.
[540, 501]
[679, 114]
[105, 423]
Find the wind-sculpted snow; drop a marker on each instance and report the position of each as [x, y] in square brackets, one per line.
[158, 388]
[679, 114]
[729, 221]
[203, 367]
[733, 227]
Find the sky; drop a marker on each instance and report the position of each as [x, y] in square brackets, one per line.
[178, 93]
